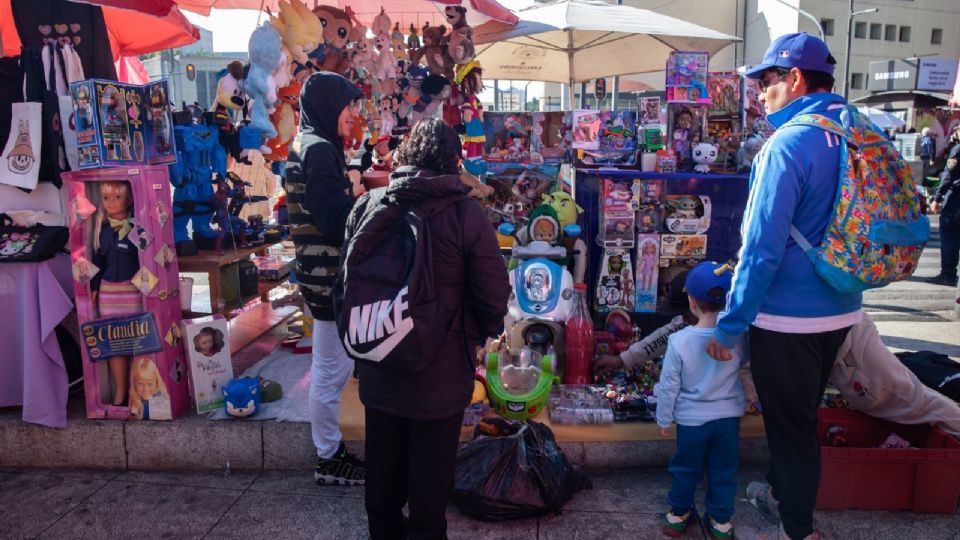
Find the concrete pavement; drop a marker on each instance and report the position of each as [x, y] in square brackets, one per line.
[623, 504]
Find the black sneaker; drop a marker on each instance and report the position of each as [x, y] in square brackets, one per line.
[941, 279]
[341, 469]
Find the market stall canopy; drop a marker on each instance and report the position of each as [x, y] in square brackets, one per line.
[131, 32]
[882, 119]
[404, 11]
[579, 40]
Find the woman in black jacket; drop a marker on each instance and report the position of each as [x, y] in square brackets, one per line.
[413, 419]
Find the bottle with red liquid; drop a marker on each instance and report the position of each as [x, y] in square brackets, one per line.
[578, 340]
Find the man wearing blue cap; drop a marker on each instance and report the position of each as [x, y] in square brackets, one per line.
[796, 321]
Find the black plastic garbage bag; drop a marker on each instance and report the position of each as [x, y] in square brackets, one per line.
[519, 474]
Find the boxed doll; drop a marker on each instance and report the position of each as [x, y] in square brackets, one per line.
[207, 344]
[121, 124]
[127, 288]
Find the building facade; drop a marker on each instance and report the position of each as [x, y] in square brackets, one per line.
[899, 29]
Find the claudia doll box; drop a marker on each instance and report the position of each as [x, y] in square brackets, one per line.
[121, 124]
[151, 338]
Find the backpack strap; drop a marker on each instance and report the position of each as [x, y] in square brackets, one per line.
[829, 125]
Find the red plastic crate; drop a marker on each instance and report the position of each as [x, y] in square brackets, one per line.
[922, 479]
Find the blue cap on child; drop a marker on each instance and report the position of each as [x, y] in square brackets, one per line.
[706, 276]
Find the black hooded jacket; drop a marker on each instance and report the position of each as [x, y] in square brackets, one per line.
[319, 195]
[472, 285]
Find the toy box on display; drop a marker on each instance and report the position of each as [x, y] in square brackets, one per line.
[207, 344]
[616, 141]
[508, 137]
[273, 268]
[122, 124]
[127, 289]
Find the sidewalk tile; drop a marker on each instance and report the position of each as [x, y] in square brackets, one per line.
[30, 503]
[274, 516]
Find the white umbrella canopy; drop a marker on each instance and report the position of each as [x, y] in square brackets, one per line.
[882, 119]
[572, 41]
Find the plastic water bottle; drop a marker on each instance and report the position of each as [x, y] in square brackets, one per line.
[578, 340]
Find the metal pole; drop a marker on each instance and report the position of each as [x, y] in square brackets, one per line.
[496, 93]
[846, 56]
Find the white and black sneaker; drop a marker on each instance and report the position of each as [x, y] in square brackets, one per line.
[341, 469]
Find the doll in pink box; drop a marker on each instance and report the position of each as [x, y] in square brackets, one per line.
[113, 293]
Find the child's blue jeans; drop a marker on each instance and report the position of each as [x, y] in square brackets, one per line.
[714, 447]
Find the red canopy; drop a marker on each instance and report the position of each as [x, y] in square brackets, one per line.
[404, 11]
[131, 32]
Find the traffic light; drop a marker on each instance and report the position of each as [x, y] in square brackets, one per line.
[191, 72]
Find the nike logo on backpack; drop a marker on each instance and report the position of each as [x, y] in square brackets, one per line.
[384, 320]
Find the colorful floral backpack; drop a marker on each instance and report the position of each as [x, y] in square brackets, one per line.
[878, 230]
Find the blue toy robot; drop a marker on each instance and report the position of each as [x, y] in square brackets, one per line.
[200, 156]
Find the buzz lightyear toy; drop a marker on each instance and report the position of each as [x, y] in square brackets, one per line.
[519, 381]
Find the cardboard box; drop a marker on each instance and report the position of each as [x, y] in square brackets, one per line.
[273, 268]
[206, 342]
[122, 124]
[149, 334]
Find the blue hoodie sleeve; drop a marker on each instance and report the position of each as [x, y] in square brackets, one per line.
[775, 185]
[669, 386]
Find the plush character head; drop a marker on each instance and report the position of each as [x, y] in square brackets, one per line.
[299, 29]
[241, 397]
[530, 186]
[336, 25]
[563, 204]
[456, 16]
[704, 154]
[230, 94]
[460, 44]
[543, 225]
[434, 51]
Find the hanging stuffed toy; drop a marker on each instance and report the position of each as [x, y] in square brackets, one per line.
[469, 77]
[265, 54]
[299, 29]
[337, 29]
[434, 51]
[284, 119]
[459, 43]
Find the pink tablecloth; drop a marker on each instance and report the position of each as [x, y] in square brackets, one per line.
[34, 298]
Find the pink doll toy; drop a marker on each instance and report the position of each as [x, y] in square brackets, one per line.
[208, 341]
[112, 292]
[149, 399]
[648, 264]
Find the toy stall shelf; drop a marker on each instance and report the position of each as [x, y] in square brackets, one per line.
[245, 325]
[696, 216]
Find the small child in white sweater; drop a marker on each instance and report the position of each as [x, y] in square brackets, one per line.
[705, 399]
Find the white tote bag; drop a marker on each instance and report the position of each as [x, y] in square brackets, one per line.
[20, 166]
[69, 129]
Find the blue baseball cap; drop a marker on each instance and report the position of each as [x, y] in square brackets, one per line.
[706, 276]
[789, 51]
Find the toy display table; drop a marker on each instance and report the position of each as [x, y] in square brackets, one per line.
[246, 324]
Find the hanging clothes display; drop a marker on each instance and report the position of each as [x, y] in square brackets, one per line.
[63, 22]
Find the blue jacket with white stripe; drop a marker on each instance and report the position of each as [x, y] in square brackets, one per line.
[794, 180]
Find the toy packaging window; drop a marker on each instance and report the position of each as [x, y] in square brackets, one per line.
[126, 287]
[122, 124]
[550, 141]
[616, 140]
[615, 288]
[518, 189]
[507, 137]
[687, 77]
[207, 343]
[686, 126]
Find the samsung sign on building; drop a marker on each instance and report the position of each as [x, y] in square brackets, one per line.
[928, 74]
[892, 75]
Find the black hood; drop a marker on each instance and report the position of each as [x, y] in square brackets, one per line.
[323, 97]
[410, 185]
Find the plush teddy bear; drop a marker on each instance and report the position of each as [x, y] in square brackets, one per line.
[434, 51]
[364, 56]
[459, 45]
[456, 16]
[265, 54]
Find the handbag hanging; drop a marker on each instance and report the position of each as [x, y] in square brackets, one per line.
[20, 166]
[29, 244]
